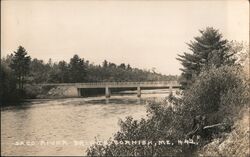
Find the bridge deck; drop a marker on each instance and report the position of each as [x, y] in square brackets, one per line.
[117, 84]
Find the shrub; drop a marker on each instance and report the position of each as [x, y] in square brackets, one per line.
[163, 123]
[217, 93]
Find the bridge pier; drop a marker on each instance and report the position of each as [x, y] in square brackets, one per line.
[170, 89]
[107, 92]
[138, 91]
[78, 92]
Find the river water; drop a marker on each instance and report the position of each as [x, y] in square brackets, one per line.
[68, 126]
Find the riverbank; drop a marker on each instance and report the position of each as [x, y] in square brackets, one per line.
[235, 143]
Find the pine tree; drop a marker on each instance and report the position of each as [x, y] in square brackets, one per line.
[209, 49]
[63, 67]
[20, 65]
[77, 69]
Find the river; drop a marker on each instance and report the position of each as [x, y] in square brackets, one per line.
[68, 126]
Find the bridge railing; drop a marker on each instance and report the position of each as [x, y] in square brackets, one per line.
[111, 83]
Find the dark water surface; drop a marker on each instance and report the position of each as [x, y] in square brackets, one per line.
[67, 126]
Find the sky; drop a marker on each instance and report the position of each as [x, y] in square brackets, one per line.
[143, 33]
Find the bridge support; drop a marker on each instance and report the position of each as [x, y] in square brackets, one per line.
[138, 91]
[107, 92]
[170, 89]
[78, 92]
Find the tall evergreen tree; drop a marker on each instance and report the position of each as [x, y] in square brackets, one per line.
[63, 67]
[77, 69]
[209, 49]
[20, 65]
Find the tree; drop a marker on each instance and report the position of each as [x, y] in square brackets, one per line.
[63, 67]
[39, 72]
[105, 64]
[122, 66]
[209, 49]
[112, 65]
[20, 65]
[129, 67]
[77, 69]
[8, 90]
[173, 118]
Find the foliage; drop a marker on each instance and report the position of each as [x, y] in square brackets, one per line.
[162, 124]
[235, 143]
[77, 69]
[20, 65]
[39, 72]
[209, 49]
[13, 72]
[18, 68]
[214, 88]
[80, 70]
[241, 51]
[218, 93]
[8, 89]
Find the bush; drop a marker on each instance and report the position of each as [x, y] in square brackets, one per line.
[163, 123]
[218, 93]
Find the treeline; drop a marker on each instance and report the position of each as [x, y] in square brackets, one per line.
[19, 70]
[215, 91]
[79, 70]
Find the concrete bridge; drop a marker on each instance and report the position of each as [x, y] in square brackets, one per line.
[76, 87]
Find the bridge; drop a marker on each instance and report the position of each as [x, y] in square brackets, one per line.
[108, 85]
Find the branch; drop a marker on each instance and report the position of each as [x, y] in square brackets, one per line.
[211, 126]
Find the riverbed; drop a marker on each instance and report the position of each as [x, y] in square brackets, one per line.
[68, 126]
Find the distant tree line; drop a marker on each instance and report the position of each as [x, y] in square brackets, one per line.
[80, 70]
[19, 69]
